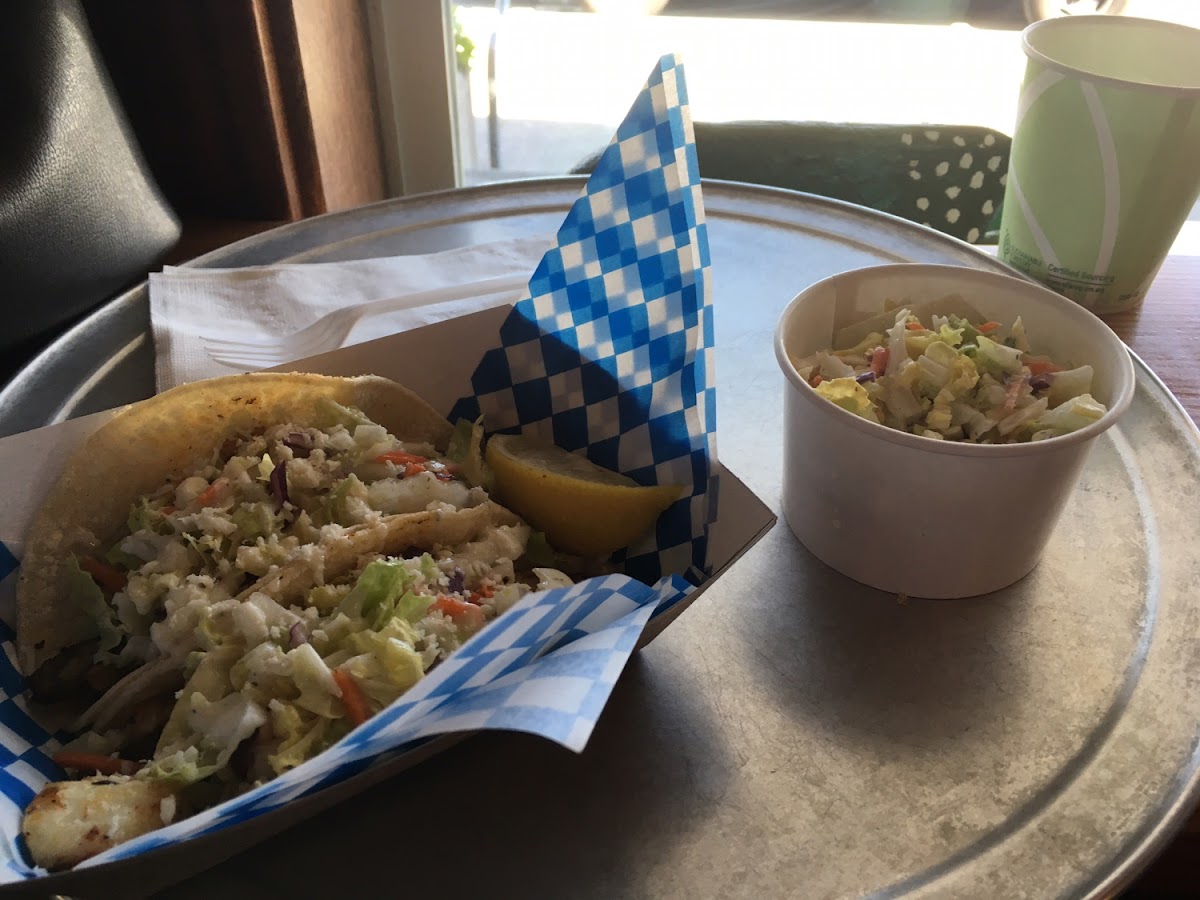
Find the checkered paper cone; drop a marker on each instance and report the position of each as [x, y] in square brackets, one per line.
[611, 352]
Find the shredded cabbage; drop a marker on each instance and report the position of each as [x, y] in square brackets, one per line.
[319, 693]
[849, 395]
[87, 596]
[1069, 383]
[299, 734]
[1076, 413]
[466, 449]
[951, 381]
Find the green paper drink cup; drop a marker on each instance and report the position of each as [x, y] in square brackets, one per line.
[1105, 162]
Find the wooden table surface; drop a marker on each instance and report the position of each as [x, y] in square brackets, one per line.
[1165, 331]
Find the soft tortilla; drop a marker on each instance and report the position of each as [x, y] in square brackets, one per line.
[164, 439]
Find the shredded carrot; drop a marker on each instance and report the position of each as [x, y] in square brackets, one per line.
[401, 458]
[485, 592]
[207, 496]
[452, 606]
[816, 379]
[94, 762]
[1042, 366]
[1012, 393]
[464, 614]
[914, 326]
[413, 468]
[879, 360]
[988, 327]
[103, 574]
[353, 698]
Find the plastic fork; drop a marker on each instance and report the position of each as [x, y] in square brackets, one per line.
[329, 331]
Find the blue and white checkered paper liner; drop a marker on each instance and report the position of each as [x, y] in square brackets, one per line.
[611, 352]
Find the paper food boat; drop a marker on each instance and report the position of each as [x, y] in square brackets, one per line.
[610, 354]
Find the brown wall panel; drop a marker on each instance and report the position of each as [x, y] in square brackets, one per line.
[192, 78]
[248, 109]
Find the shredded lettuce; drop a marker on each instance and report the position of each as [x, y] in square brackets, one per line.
[181, 768]
[508, 596]
[318, 690]
[931, 374]
[377, 589]
[942, 353]
[206, 726]
[1070, 383]
[300, 735]
[870, 342]
[340, 504]
[331, 413]
[969, 333]
[1019, 338]
[949, 335]
[123, 560]
[223, 724]
[411, 607]
[326, 598]
[997, 358]
[429, 568]
[144, 517]
[386, 670]
[1020, 417]
[85, 594]
[264, 673]
[849, 395]
[392, 647]
[254, 520]
[897, 348]
[899, 400]
[1076, 413]
[466, 449]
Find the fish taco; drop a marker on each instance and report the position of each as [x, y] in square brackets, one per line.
[229, 577]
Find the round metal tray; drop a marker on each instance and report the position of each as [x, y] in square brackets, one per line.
[793, 734]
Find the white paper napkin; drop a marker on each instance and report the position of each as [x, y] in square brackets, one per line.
[266, 303]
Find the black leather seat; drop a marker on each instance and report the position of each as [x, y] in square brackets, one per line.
[80, 215]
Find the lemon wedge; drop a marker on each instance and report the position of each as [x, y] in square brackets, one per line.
[582, 508]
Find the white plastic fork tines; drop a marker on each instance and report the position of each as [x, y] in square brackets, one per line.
[331, 330]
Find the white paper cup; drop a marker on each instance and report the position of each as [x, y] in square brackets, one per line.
[913, 515]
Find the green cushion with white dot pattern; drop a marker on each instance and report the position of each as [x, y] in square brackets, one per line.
[949, 177]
